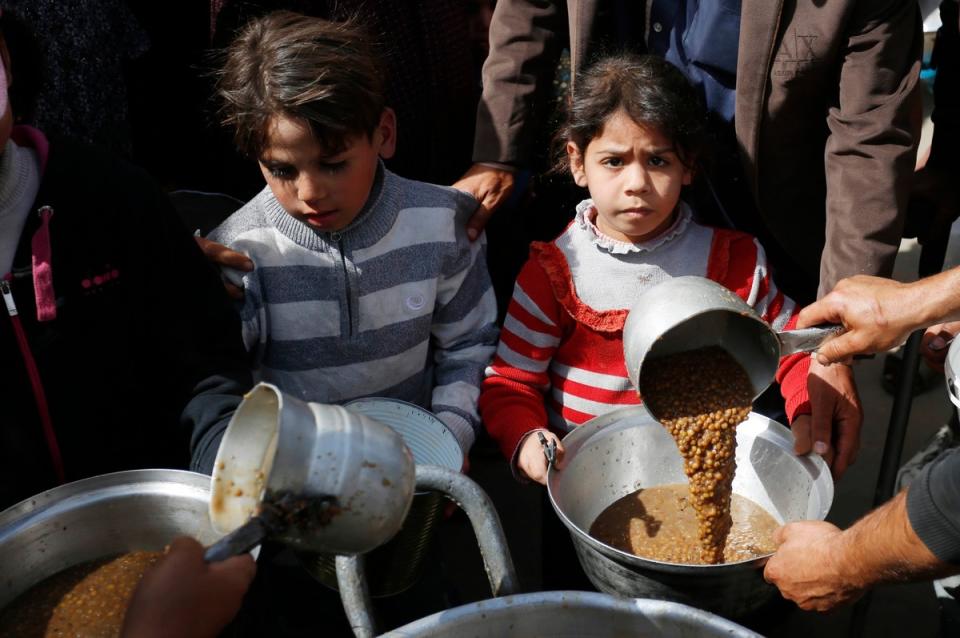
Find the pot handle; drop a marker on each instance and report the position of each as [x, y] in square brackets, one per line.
[806, 339]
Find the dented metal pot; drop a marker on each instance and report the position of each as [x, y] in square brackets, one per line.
[352, 478]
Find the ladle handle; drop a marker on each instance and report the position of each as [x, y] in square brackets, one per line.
[239, 541]
[806, 339]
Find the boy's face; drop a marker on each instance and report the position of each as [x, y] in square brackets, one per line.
[325, 191]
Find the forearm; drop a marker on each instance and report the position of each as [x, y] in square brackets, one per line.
[934, 299]
[510, 410]
[883, 547]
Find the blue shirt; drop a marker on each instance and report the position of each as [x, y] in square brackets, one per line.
[700, 37]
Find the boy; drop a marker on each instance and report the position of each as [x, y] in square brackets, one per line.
[365, 283]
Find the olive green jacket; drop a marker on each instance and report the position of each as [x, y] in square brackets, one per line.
[827, 113]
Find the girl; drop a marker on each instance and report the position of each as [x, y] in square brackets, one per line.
[634, 133]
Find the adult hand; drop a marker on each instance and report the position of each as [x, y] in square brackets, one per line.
[223, 257]
[832, 429]
[876, 313]
[184, 596]
[531, 460]
[805, 569]
[490, 186]
[936, 341]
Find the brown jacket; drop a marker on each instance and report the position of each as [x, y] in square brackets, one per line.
[827, 114]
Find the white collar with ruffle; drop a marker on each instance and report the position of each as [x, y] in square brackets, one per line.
[586, 220]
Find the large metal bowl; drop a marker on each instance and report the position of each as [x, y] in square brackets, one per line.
[97, 517]
[623, 451]
[570, 613]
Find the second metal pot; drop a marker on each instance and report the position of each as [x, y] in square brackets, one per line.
[622, 451]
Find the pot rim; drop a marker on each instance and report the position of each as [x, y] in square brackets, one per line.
[582, 434]
[63, 495]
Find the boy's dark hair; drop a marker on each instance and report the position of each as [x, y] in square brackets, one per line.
[650, 90]
[287, 64]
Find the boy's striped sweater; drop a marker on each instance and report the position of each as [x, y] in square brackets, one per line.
[398, 304]
[560, 360]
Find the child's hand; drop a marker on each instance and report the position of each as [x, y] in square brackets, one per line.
[184, 596]
[832, 430]
[531, 460]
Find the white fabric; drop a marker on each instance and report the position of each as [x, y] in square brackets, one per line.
[629, 269]
[19, 183]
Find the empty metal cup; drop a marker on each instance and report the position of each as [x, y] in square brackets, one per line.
[358, 471]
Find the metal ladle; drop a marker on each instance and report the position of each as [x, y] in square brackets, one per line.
[688, 313]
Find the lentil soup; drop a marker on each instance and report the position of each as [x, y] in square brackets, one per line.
[88, 600]
[700, 397]
[659, 523]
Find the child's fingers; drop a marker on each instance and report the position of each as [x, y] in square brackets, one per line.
[802, 436]
[561, 451]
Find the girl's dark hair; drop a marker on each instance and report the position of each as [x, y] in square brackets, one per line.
[650, 90]
[287, 64]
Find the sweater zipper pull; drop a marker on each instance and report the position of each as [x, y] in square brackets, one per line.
[8, 298]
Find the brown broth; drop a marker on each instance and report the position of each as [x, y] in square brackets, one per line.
[88, 600]
[659, 523]
[700, 397]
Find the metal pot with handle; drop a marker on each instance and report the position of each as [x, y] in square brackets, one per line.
[687, 313]
[318, 477]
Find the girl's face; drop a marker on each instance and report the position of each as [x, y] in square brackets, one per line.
[634, 178]
[324, 190]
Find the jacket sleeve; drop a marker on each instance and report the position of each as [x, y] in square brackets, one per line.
[463, 336]
[870, 152]
[512, 399]
[933, 505]
[526, 39]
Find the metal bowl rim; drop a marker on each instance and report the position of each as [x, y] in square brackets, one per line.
[651, 608]
[54, 498]
[600, 425]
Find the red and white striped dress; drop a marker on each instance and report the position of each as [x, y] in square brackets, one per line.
[560, 360]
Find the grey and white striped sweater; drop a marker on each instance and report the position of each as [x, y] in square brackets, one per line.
[398, 304]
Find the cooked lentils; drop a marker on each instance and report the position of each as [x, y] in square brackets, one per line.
[701, 396]
[87, 600]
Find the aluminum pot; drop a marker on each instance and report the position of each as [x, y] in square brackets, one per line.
[276, 445]
[396, 565]
[617, 453]
[571, 613]
[97, 517]
[687, 313]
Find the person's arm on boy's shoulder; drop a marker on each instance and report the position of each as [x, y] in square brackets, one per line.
[225, 258]
[464, 335]
[525, 47]
[512, 396]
